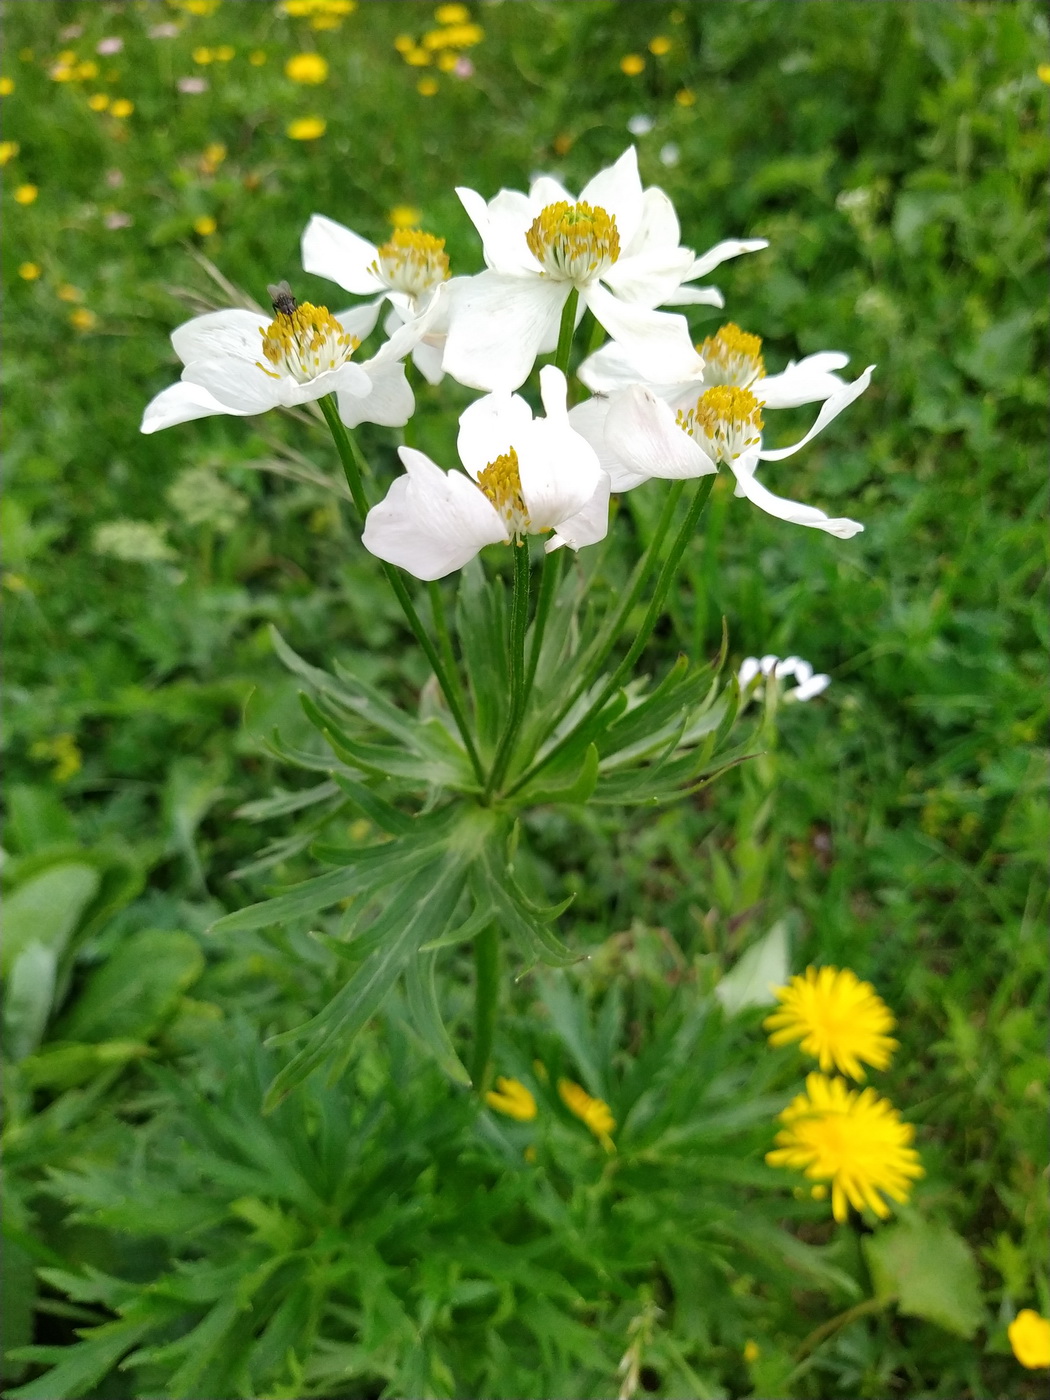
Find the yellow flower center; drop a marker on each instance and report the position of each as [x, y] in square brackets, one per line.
[727, 421]
[733, 357]
[574, 242]
[412, 262]
[304, 342]
[500, 483]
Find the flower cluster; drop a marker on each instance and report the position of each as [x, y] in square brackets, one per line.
[662, 406]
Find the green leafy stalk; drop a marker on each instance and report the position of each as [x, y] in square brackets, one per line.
[550, 574]
[486, 1004]
[565, 332]
[519, 621]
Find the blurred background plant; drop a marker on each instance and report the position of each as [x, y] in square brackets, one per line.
[378, 1237]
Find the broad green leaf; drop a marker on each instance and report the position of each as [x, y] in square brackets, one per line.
[136, 990]
[46, 909]
[58, 1067]
[929, 1270]
[28, 997]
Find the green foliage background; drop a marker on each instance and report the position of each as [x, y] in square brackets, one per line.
[895, 156]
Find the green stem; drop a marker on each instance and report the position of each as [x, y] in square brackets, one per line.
[566, 331]
[519, 621]
[354, 468]
[486, 1004]
[590, 723]
[550, 575]
[437, 611]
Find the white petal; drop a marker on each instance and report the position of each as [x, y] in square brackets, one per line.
[651, 277]
[427, 359]
[611, 368]
[502, 224]
[787, 667]
[618, 190]
[640, 430]
[498, 325]
[748, 671]
[181, 403]
[559, 473]
[794, 511]
[809, 381]
[658, 227]
[241, 387]
[389, 402]
[656, 339]
[360, 321]
[832, 408]
[344, 257]
[809, 688]
[405, 337]
[554, 394]
[431, 522]
[768, 663]
[490, 427]
[722, 252]
[229, 332]
[588, 419]
[544, 190]
[695, 296]
[588, 525]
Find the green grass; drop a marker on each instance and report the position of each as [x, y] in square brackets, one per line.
[900, 826]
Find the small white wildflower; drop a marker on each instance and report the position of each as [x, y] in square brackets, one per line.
[670, 154]
[202, 498]
[640, 125]
[770, 666]
[132, 541]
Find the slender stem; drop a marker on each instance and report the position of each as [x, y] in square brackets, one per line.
[566, 331]
[590, 722]
[486, 1004]
[826, 1329]
[596, 337]
[519, 621]
[550, 575]
[354, 467]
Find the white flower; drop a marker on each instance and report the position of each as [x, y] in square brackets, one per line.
[768, 666]
[616, 244]
[526, 476]
[713, 415]
[641, 124]
[406, 271]
[235, 363]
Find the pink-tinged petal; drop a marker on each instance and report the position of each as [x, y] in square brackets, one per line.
[832, 408]
[618, 190]
[558, 470]
[641, 430]
[657, 339]
[360, 321]
[230, 332]
[490, 427]
[181, 403]
[794, 512]
[588, 419]
[587, 526]
[498, 325]
[722, 252]
[657, 229]
[389, 402]
[344, 257]
[502, 223]
[431, 522]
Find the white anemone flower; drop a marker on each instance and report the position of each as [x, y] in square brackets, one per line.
[687, 428]
[807, 684]
[524, 476]
[235, 363]
[617, 244]
[406, 272]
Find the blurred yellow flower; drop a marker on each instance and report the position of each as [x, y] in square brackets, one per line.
[1029, 1334]
[87, 70]
[513, 1099]
[405, 216]
[7, 87]
[752, 1351]
[404, 43]
[205, 225]
[224, 53]
[202, 54]
[306, 128]
[66, 57]
[447, 60]
[26, 194]
[29, 271]
[590, 1111]
[121, 108]
[257, 58]
[61, 73]
[563, 143]
[685, 97]
[838, 1019]
[306, 68]
[659, 44]
[82, 319]
[427, 87]
[63, 750]
[195, 7]
[98, 101]
[452, 14]
[8, 151]
[819, 1192]
[852, 1139]
[453, 36]
[1043, 72]
[317, 9]
[418, 58]
[67, 292]
[632, 64]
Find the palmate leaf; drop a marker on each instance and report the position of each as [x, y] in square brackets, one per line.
[376, 808]
[579, 788]
[524, 921]
[439, 762]
[282, 804]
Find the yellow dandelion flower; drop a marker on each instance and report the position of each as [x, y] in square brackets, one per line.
[416, 58]
[320, 22]
[427, 87]
[67, 292]
[83, 319]
[7, 87]
[452, 14]
[852, 1139]
[306, 128]
[121, 108]
[590, 1111]
[632, 64]
[67, 57]
[204, 225]
[257, 58]
[61, 73]
[685, 97]
[511, 1097]
[214, 155]
[1043, 72]
[446, 61]
[98, 101]
[752, 1351]
[404, 43]
[26, 194]
[1030, 1336]
[659, 44]
[202, 54]
[29, 271]
[837, 1018]
[87, 70]
[224, 53]
[405, 216]
[196, 7]
[8, 151]
[308, 68]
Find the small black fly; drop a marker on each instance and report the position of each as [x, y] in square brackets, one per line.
[284, 302]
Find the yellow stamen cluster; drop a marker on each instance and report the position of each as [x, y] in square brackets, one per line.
[852, 1139]
[305, 342]
[839, 1020]
[500, 483]
[733, 357]
[726, 419]
[594, 1113]
[511, 1097]
[412, 262]
[574, 242]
